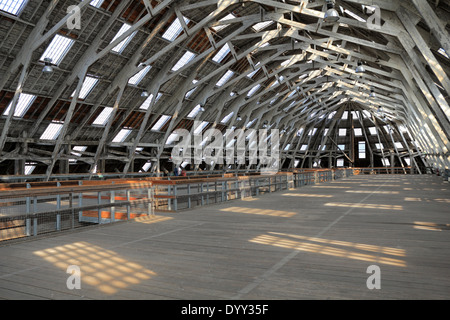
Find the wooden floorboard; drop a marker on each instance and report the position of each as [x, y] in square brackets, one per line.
[313, 242]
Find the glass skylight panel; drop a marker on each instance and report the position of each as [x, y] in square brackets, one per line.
[358, 132]
[172, 138]
[227, 118]
[251, 123]
[340, 162]
[342, 132]
[386, 162]
[287, 147]
[23, 103]
[96, 3]
[373, 131]
[52, 131]
[86, 88]
[362, 150]
[442, 51]
[12, 6]
[119, 48]
[331, 115]
[78, 148]
[304, 147]
[146, 166]
[379, 146]
[225, 78]
[190, 92]
[103, 117]
[261, 25]
[222, 26]
[312, 132]
[195, 111]
[200, 127]
[134, 80]
[341, 147]
[408, 161]
[161, 122]
[398, 145]
[57, 49]
[222, 53]
[184, 60]
[174, 30]
[29, 168]
[251, 74]
[253, 90]
[147, 101]
[122, 135]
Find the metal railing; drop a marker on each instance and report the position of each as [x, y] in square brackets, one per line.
[40, 208]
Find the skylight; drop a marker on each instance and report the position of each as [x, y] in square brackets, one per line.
[200, 128]
[358, 132]
[52, 132]
[185, 59]
[253, 90]
[373, 131]
[340, 162]
[304, 147]
[103, 117]
[222, 53]
[312, 132]
[361, 149]
[173, 136]
[134, 80]
[379, 146]
[96, 3]
[12, 6]
[222, 26]
[88, 85]
[57, 49]
[122, 135]
[195, 111]
[147, 101]
[342, 132]
[174, 30]
[29, 168]
[146, 166]
[227, 118]
[398, 145]
[386, 162]
[23, 103]
[80, 149]
[225, 78]
[161, 122]
[261, 25]
[119, 48]
[442, 51]
[190, 92]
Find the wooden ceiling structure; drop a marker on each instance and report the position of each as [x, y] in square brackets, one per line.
[289, 69]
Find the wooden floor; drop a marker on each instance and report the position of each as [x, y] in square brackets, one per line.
[314, 242]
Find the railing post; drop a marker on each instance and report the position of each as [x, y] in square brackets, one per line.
[99, 210]
[58, 207]
[189, 195]
[128, 204]
[112, 200]
[175, 200]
